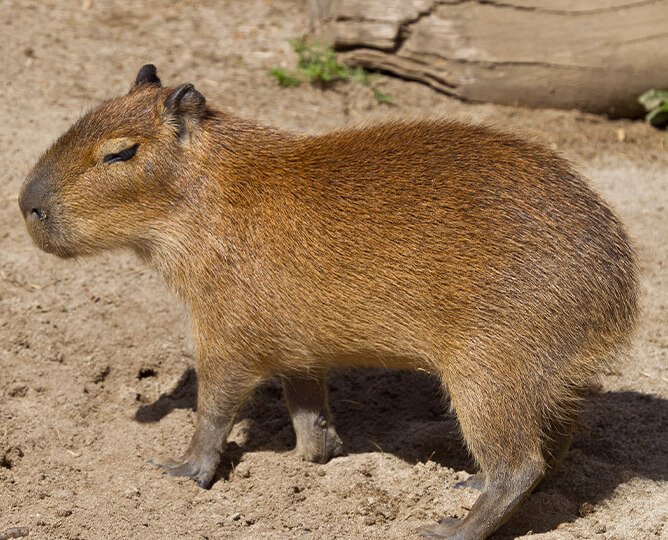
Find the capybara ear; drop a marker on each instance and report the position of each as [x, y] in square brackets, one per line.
[185, 105]
[186, 100]
[148, 74]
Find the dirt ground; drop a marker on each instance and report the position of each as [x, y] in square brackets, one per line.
[96, 371]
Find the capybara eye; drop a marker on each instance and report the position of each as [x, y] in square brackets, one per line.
[123, 155]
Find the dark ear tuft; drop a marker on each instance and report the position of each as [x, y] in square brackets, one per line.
[185, 105]
[147, 75]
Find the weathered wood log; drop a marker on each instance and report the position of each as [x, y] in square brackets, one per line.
[593, 55]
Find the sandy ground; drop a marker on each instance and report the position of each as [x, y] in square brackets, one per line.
[96, 366]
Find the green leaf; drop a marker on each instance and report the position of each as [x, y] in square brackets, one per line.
[656, 105]
[285, 78]
[653, 99]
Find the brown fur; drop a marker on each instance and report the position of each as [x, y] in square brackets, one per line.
[435, 245]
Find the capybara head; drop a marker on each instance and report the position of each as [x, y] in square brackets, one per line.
[106, 181]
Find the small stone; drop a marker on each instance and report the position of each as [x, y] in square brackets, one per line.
[131, 492]
[100, 372]
[242, 470]
[586, 508]
[15, 532]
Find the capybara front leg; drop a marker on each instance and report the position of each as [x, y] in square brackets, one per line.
[218, 400]
[201, 459]
[306, 397]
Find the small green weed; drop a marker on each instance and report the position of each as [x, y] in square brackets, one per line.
[361, 76]
[317, 64]
[656, 105]
[382, 97]
[284, 77]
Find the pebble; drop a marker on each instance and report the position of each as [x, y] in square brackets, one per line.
[242, 470]
[131, 492]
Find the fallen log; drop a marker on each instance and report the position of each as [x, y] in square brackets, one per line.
[592, 55]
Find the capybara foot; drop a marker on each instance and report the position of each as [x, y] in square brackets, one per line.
[445, 528]
[201, 469]
[319, 444]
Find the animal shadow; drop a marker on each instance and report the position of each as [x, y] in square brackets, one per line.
[401, 412]
[182, 396]
[621, 435]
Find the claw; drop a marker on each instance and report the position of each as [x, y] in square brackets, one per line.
[204, 484]
[197, 469]
[165, 464]
[184, 469]
[446, 528]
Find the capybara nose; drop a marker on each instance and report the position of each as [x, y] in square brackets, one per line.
[32, 200]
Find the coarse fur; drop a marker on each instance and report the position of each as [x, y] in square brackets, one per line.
[435, 245]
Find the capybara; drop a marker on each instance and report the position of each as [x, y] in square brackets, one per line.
[436, 245]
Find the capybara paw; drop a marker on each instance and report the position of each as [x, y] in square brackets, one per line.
[201, 470]
[445, 528]
[475, 481]
[321, 447]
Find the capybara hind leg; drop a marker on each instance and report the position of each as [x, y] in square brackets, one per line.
[306, 396]
[499, 500]
[504, 436]
[218, 400]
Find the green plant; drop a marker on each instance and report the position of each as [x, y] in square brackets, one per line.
[284, 77]
[361, 76]
[382, 97]
[656, 105]
[317, 64]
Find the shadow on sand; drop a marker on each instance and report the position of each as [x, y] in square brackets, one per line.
[622, 435]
